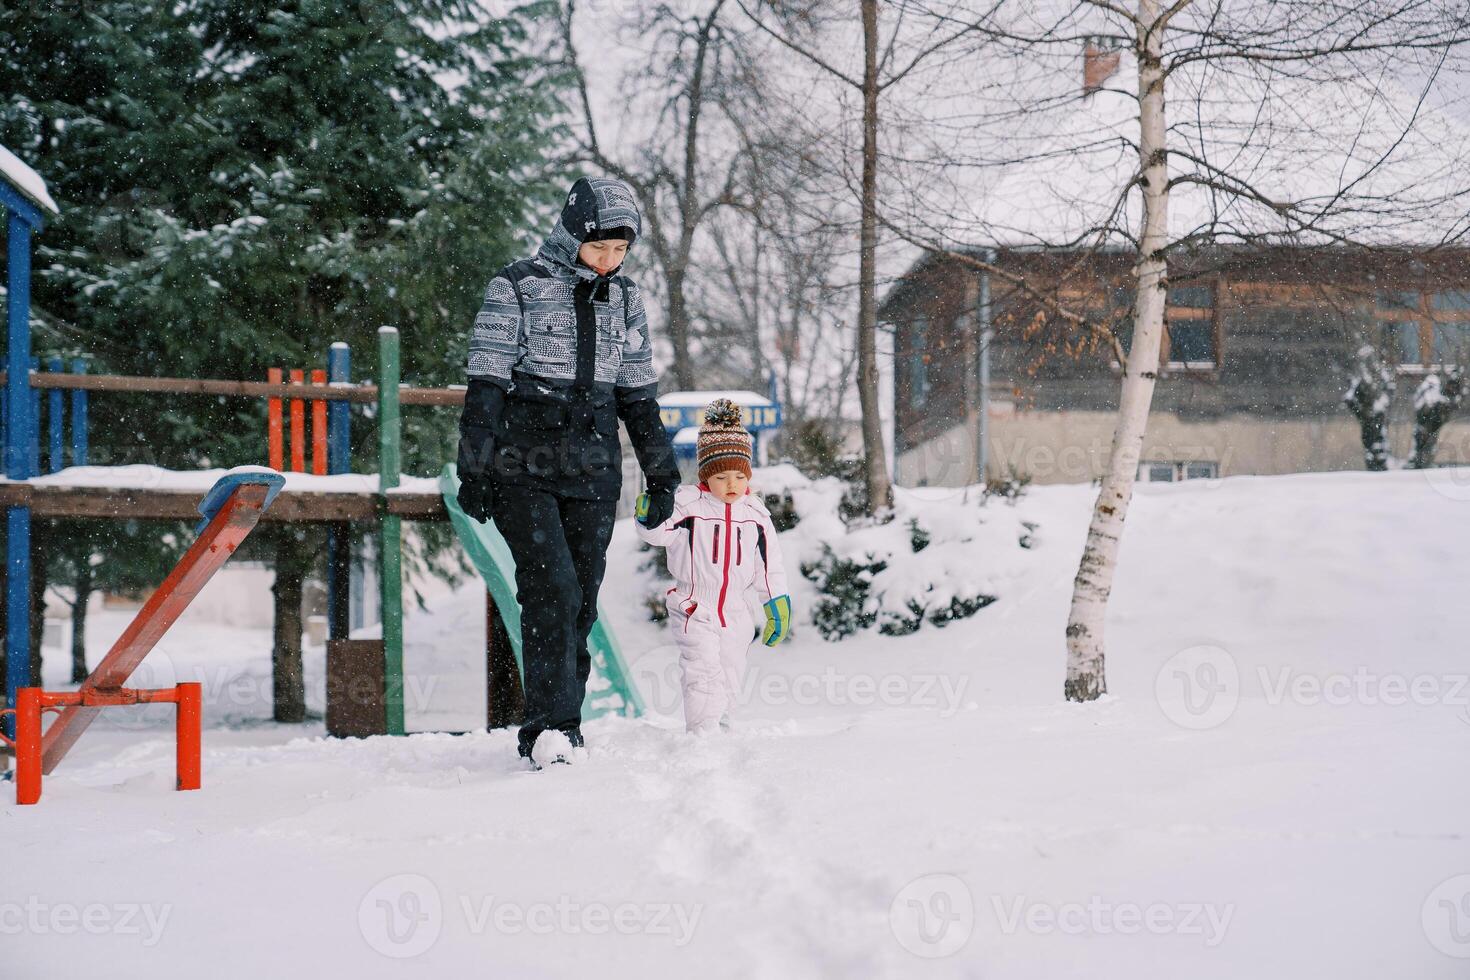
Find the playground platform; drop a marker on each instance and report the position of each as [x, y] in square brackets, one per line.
[155, 493]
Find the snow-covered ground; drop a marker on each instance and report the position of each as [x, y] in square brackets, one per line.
[1276, 786]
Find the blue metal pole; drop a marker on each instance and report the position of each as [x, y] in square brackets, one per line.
[54, 418]
[339, 414]
[35, 422]
[20, 434]
[339, 536]
[79, 417]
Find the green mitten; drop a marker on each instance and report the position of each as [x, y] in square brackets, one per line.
[778, 620]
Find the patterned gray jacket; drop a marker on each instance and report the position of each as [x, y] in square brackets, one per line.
[528, 322]
[557, 355]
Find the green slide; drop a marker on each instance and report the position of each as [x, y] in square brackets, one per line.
[610, 689]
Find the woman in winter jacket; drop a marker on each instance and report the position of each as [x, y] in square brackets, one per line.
[559, 353]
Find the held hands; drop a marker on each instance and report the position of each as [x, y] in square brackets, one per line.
[778, 620]
[652, 509]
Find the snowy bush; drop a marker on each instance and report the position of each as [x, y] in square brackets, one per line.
[1010, 487]
[845, 605]
[1435, 402]
[1368, 398]
[783, 510]
[940, 559]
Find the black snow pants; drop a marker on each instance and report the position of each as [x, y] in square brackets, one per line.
[560, 548]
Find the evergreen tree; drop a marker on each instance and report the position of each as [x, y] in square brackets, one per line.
[243, 183]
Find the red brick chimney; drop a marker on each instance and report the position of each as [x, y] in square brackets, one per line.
[1100, 57]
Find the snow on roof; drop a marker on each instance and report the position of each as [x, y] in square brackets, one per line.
[687, 436]
[699, 399]
[27, 181]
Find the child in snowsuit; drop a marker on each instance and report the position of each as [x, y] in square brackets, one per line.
[720, 541]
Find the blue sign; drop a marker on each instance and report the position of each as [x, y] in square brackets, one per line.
[753, 417]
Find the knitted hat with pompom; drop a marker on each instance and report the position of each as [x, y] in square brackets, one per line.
[723, 442]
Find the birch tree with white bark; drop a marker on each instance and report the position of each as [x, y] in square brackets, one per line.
[1247, 123]
[1245, 78]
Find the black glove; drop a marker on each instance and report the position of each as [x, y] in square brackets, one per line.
[477, 498]
[482, 407]
[660, 507]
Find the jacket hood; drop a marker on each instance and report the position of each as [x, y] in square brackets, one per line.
[593, 204]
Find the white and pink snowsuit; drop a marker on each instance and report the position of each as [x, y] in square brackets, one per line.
[716, 552]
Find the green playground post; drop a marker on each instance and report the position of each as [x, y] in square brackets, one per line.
[390, 564]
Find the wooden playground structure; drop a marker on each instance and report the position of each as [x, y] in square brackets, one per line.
[337, 504]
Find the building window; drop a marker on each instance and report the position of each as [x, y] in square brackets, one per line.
[1190, 322]
[1189, 342]
[1424, 330]
[1400, 340]
[919, 361]
[1452, 299]
[1200, 296]
[1173, 471]
[1451, 343]
[1400, 316]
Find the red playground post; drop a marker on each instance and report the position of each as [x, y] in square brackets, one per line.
[298, 426]
[32, 702]
[231, 510]
[318, 426]
[275, 451]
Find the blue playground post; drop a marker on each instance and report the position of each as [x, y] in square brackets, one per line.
[54, 418]
[35, 422]
[339, 536]
[79, 417]
[20, 440]
[339, 413]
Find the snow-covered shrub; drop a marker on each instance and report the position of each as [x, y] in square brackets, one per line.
[1435, 401]
[902, 622]
[1028, 534]
[844, 604]
[853, 505]
[1368, 398]
[1010, 487]
[783, 510]
[918, 537]
[940, 559]
[656, 564]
